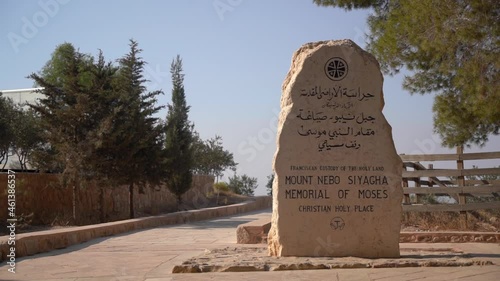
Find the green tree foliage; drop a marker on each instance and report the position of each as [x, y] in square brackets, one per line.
[68, 116]
[66, 112]
[7, 112]
[178, 136]
[269, 185]
[20, 133]
[98, 120]
[243, 184]
[221, 186]
[485, 179]
[451, 48]
[55, 70]
[27, 136]
[350, 4]
[134, 147]
[210, 157]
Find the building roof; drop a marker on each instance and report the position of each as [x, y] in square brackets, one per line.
[20, 90]
[22, 96]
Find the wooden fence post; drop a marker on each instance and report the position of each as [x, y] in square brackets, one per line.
[406, 197]
[431, 182]
[418, 197]
[461, 182]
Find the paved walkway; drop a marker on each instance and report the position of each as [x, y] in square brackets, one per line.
[151, 254]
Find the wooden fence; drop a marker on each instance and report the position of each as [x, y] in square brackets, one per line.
[458, 183]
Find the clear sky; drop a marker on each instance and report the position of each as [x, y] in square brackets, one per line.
[236, 54]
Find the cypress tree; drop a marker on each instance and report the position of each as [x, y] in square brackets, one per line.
[178, 136]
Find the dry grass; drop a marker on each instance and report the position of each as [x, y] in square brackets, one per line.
[482, 220]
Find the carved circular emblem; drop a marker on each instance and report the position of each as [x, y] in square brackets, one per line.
[336, 69]
[337, 223]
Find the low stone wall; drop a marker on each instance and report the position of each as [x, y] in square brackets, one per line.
[47, 202]
[254, 232]
[43, 241]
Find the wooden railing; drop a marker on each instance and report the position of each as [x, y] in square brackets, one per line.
[454, 183]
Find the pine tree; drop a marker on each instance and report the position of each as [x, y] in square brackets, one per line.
[98, 121]
[451, 49]
[67, 113]
[135, 147]
[178, 136]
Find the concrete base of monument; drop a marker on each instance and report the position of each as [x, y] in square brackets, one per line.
[245, 258]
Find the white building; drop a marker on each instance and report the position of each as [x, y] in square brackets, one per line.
[22, 96]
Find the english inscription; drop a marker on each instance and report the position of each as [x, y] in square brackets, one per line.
[337, 171]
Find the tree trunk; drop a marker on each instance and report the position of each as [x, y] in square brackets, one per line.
[6, 158]
[131, 200]
[179, 202]
[74, 204]
[101, 205]
[218, 191]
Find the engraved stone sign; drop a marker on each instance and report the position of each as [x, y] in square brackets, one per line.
[337, 190]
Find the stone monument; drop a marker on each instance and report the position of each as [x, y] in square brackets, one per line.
[337, 188]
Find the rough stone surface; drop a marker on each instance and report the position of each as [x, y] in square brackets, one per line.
[253, 232]
[239, 259]
[337, 190]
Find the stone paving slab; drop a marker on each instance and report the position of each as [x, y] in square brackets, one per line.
[151, 254]
[44, 241]
[487, 273]
[136, 255]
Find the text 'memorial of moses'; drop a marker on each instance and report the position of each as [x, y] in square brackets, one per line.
[337, 188]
